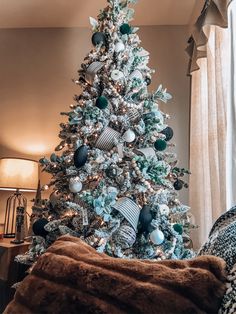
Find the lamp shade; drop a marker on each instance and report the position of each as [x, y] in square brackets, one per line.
[19, 174]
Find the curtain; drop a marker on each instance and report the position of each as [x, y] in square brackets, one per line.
[231, 113]
[213, 119]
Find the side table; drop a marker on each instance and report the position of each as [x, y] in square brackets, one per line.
[9, 270]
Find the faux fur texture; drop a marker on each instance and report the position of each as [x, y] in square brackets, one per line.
[71, 277]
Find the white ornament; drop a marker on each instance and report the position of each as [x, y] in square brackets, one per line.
[164, 209]
[136, 74]
[75, 185]
[116, 75]
[93, 22]
[129, 136]
[119, 47]
[157, 237]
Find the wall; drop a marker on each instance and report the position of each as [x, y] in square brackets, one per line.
[35, 85]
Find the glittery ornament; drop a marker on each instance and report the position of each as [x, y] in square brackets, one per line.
[157, 237]
[168, 132]
[102, 102]
[129, 136]
[164, 209]
[80, 156]
[178, 228]
[98, 38]
[125, 29]
[160, 145]
[178, 185]
[75, 185]
[117, 75]
[124, 237]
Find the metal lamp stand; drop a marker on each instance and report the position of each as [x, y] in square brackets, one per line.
[12, 224]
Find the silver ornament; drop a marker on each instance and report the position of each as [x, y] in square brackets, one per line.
[129, 136]
[124, 237]
[75, 185]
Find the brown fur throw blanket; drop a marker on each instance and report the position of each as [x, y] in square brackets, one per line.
[71, 277]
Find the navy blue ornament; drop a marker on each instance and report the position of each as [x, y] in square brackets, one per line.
[178, 185]
[80, 156]
[38, 227]
[145, 218]
[98, 38]
[148, 81]
[168, 132]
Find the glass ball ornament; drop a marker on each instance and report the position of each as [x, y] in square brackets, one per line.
[98, 38]
[119, 47]
[178, 185]
[160, 145]
[168, 132]
[157, 237]
[75, 185]
[38, 227]
[80, 156]
[178, 228]
[102, 102]
[125, 29]
[145, 218]
[148, 81]
[129, 136]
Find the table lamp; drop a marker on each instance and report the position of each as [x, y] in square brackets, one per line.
[18, 175]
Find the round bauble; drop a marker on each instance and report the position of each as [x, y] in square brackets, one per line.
[145, 218]
[136, 74]
[111, 172]
[80, 156]
[119, 47]
[99, 38]
[129, 136]
[54, 198]
[116, 75]
[168, 132]
[178, 185]
[160, 145]
[178, 228]
[164, 209]
[125, 29]
[53, 157]
[38, 227]
[148, 81]
[102, 102]
[124, 237]
[157, 237]
[75, 185]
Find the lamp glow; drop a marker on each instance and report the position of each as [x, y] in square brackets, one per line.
[18, 174]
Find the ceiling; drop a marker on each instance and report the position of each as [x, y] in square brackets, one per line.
[75, 13]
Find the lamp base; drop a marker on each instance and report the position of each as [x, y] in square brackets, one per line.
[17, 241]
[9, 235]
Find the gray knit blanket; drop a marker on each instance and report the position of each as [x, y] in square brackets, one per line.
[222, 243]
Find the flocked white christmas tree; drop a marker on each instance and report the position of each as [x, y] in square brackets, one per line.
[115, 182]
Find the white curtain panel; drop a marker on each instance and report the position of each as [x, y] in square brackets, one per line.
[231, 113]
[209, 149]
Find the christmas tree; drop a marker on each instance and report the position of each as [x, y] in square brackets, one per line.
[115, 181]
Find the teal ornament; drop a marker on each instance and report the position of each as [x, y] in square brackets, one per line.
[80, 156]
[157, 237]
[98, 38]
[53, 157]
[160, 145]
[102, 102]
[178, 228]
[125, 29]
